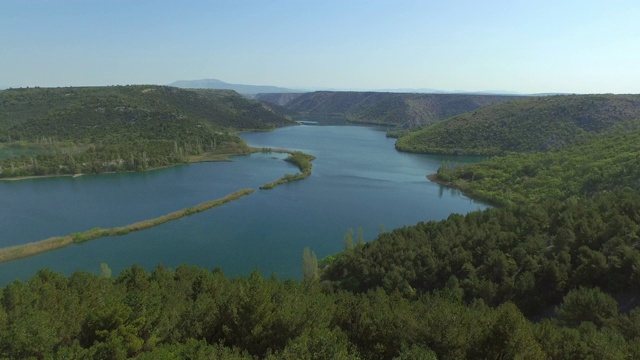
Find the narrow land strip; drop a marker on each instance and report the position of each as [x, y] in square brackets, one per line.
[24, 250]
[299, 159]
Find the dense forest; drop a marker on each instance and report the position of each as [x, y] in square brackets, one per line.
[604, 162]
[191, 313]
[567, 231]
[525, 124]
[100, 129]
[552, 272]
[383, 108]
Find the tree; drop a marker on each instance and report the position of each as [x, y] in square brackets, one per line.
[348, 240]
[510, 337]
[105, 271]
[309, 266]
[360, 236]
[585, 304]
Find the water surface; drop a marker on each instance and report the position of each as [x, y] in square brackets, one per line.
[358, 180]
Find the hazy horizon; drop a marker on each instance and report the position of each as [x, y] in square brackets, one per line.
[469, 46]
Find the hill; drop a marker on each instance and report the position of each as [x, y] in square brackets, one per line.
[393, 109]
[280, 99]
[567, 237]
[99, 129]
[524, 124]
[603, 163]
[221, 85]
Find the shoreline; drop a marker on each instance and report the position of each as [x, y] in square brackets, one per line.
[29, 249]
[31, 177]
[300, 159]
[434, 178]
[191, 160]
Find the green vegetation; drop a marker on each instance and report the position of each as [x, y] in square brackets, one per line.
[531, 255]
[121, 128]
[524, 125]
[196, 313]
[566, 238]
[21, 251]
[394, 109]
[603, 163]
[299, 159]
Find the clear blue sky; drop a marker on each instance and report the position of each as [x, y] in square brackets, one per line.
[517, 45]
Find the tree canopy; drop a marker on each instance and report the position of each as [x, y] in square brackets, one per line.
[523, 125]
[56, 131]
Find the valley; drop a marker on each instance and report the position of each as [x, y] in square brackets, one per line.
[393, 265]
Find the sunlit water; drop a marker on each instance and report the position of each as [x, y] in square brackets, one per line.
[358, 180]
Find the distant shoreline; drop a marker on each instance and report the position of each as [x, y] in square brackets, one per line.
[191, 160]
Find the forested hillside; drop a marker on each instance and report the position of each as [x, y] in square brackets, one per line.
[277, 98]
[566, 236]
[525, 124]
[603, 163]
[583, 200]
[394, 109]
[71, 130]
[552, 273]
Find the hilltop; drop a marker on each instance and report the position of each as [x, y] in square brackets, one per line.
[524, 125]
[221, 85]
[384, 108]
[96, 129]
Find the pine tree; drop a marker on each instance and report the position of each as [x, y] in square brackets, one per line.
[348, 240]
[309, 266]
[360, 236]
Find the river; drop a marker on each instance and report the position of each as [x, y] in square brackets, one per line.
[358, 180]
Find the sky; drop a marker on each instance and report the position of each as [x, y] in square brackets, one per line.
[523, 46]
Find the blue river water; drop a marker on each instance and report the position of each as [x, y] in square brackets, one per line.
[358, 180]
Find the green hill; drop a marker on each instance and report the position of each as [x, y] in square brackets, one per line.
[567, 237]
[98, 129]
[525, 124]
[570, 225]
[394, 109]
[603, 163]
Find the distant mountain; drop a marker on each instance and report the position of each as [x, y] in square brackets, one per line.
[240, 88]
[438, 91]
[281, 99]
[395, 109]
[524, 125]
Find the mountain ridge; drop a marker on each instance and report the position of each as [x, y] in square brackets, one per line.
[523, 125]
[221, 85]
[392, 109]
[123, 128]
